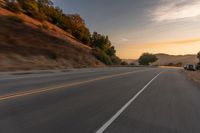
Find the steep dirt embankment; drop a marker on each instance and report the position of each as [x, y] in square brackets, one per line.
[26, 43]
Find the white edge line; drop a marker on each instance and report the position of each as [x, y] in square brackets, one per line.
[114, 117]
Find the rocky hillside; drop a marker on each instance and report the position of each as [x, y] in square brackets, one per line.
[26, 43]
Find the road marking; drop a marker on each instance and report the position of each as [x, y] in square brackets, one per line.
[40, 75]
[41, 90]
[113, 118]
[33, 76]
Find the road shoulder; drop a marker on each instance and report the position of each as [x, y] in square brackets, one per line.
[193, 76]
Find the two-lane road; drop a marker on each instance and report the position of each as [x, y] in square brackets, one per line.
[110, 100]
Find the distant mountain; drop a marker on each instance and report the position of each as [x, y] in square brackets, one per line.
[165, 59]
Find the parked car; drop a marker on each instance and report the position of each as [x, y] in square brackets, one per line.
[190, 67]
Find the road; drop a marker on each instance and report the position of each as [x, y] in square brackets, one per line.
[109, 100]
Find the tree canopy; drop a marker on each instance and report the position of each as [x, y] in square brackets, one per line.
[147, 58]
[103, 49]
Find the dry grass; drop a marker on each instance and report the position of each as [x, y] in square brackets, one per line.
[164, 59]
[193, 75]
[26, 46]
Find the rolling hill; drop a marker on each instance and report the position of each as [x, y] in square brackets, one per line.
[165, 59]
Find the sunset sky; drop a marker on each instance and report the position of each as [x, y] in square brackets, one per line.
[137, 26]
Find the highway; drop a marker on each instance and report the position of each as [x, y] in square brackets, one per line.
[101, 100]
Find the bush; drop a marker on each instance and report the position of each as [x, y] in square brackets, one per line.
[31, 8]
[15, 19]
[198, 56]
[115, 60]
[124, 63]
[180, 64]
[198, 66]
[43, 26]
[14, 7]
[132, 64]
[170, 64]
[102, 56]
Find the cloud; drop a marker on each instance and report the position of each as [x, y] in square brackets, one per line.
[124, 39]
[181, 42]
[176, 9]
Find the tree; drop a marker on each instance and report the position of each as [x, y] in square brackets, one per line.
[44, 3]
[103, 49]
[198, 64]
[102, 56]
[31, 8]
[124, 63]
[14, 6]
[147, 58]
[198, 56]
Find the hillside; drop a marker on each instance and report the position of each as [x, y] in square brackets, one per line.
[164, 59]
[26, 43]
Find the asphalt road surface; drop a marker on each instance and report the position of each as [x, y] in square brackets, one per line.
[109, 100]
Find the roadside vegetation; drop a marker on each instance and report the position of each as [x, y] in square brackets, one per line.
[194, 75]
[147, 59]
[198, 64]
[44, 10]
[179, 64]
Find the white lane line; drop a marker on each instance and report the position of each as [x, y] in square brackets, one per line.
[42, 90]
[113, 118]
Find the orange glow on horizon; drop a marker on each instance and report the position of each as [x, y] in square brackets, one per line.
[174, 47]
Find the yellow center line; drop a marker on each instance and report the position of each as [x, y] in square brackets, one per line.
[41, 90]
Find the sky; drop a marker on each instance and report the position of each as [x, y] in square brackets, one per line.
[138, 26]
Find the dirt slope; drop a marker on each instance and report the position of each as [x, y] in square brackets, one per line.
[35, 45]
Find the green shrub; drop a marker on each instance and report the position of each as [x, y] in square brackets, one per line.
[14, 7]
[198, 66]
[102, 56]
[43, 26]
[31, 9]
[15, 19]
[116, 60]
[170, 64]
[179, 64]
[124, 63]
